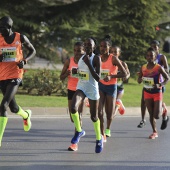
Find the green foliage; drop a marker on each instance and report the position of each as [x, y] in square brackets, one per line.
[43, 82]
[131, 97]
[52, 24]
[134, 67]
[133, 25]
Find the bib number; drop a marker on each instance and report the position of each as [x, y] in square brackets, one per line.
[83, 75]
[104, 73]
[74, 72]
[9, 54]
[148, 82]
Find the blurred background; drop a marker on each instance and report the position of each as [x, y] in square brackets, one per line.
[53, 26]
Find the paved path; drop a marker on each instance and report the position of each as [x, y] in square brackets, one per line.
[44, 147]
[40, 63]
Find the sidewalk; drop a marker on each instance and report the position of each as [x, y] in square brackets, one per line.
[63, 112]
[40, 63]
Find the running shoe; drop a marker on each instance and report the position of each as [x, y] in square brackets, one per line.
[107, 133]
[99, 145]
[73, 147]
[104, 139]
[27, 122]
[153, 135]
[142, 124]
[77, 137]
[164, 123]
[121, 107]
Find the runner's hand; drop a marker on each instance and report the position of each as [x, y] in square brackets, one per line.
[21, 64]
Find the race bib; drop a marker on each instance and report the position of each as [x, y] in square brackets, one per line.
[74, 72]
[83, 75]
[104, 73]
[9, 54]
[148, 82]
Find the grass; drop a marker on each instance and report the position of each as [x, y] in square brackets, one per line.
[41, 101]
[133, 92]
[131, 98]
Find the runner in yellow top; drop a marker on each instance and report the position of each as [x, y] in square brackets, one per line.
[12, 62]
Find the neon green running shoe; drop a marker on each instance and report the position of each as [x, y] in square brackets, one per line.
[27, 122]
[107, 132]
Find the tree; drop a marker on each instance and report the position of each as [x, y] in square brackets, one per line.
[131, 23]
[50, 24]
[29, 19]
[132, 26]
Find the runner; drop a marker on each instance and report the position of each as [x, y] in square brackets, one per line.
[162, 60]
[150, 75]
[89, 71]
[70, 71]
[110, 65]
[116, 51]
[12, 62]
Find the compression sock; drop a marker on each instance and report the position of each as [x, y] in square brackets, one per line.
[97, 129]
[76, 121]
[22, 113]
[3, 122]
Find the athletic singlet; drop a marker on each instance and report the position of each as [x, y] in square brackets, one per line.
[12, 53]
[107, 68]
[72, 81]
[86, 82]
[150, 77]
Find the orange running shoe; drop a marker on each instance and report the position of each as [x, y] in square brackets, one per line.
[153, 135]
[121, 107]
[73, 147]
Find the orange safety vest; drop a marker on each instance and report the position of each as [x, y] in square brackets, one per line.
[72, 81]
[12, 54]
[107, 68]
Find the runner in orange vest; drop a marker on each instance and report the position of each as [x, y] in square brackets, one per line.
[110, 65]
[116, 51]
[12, 62]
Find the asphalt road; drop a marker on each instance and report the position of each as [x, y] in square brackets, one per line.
[44, 147]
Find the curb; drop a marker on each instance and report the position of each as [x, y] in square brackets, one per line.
[63, 112]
